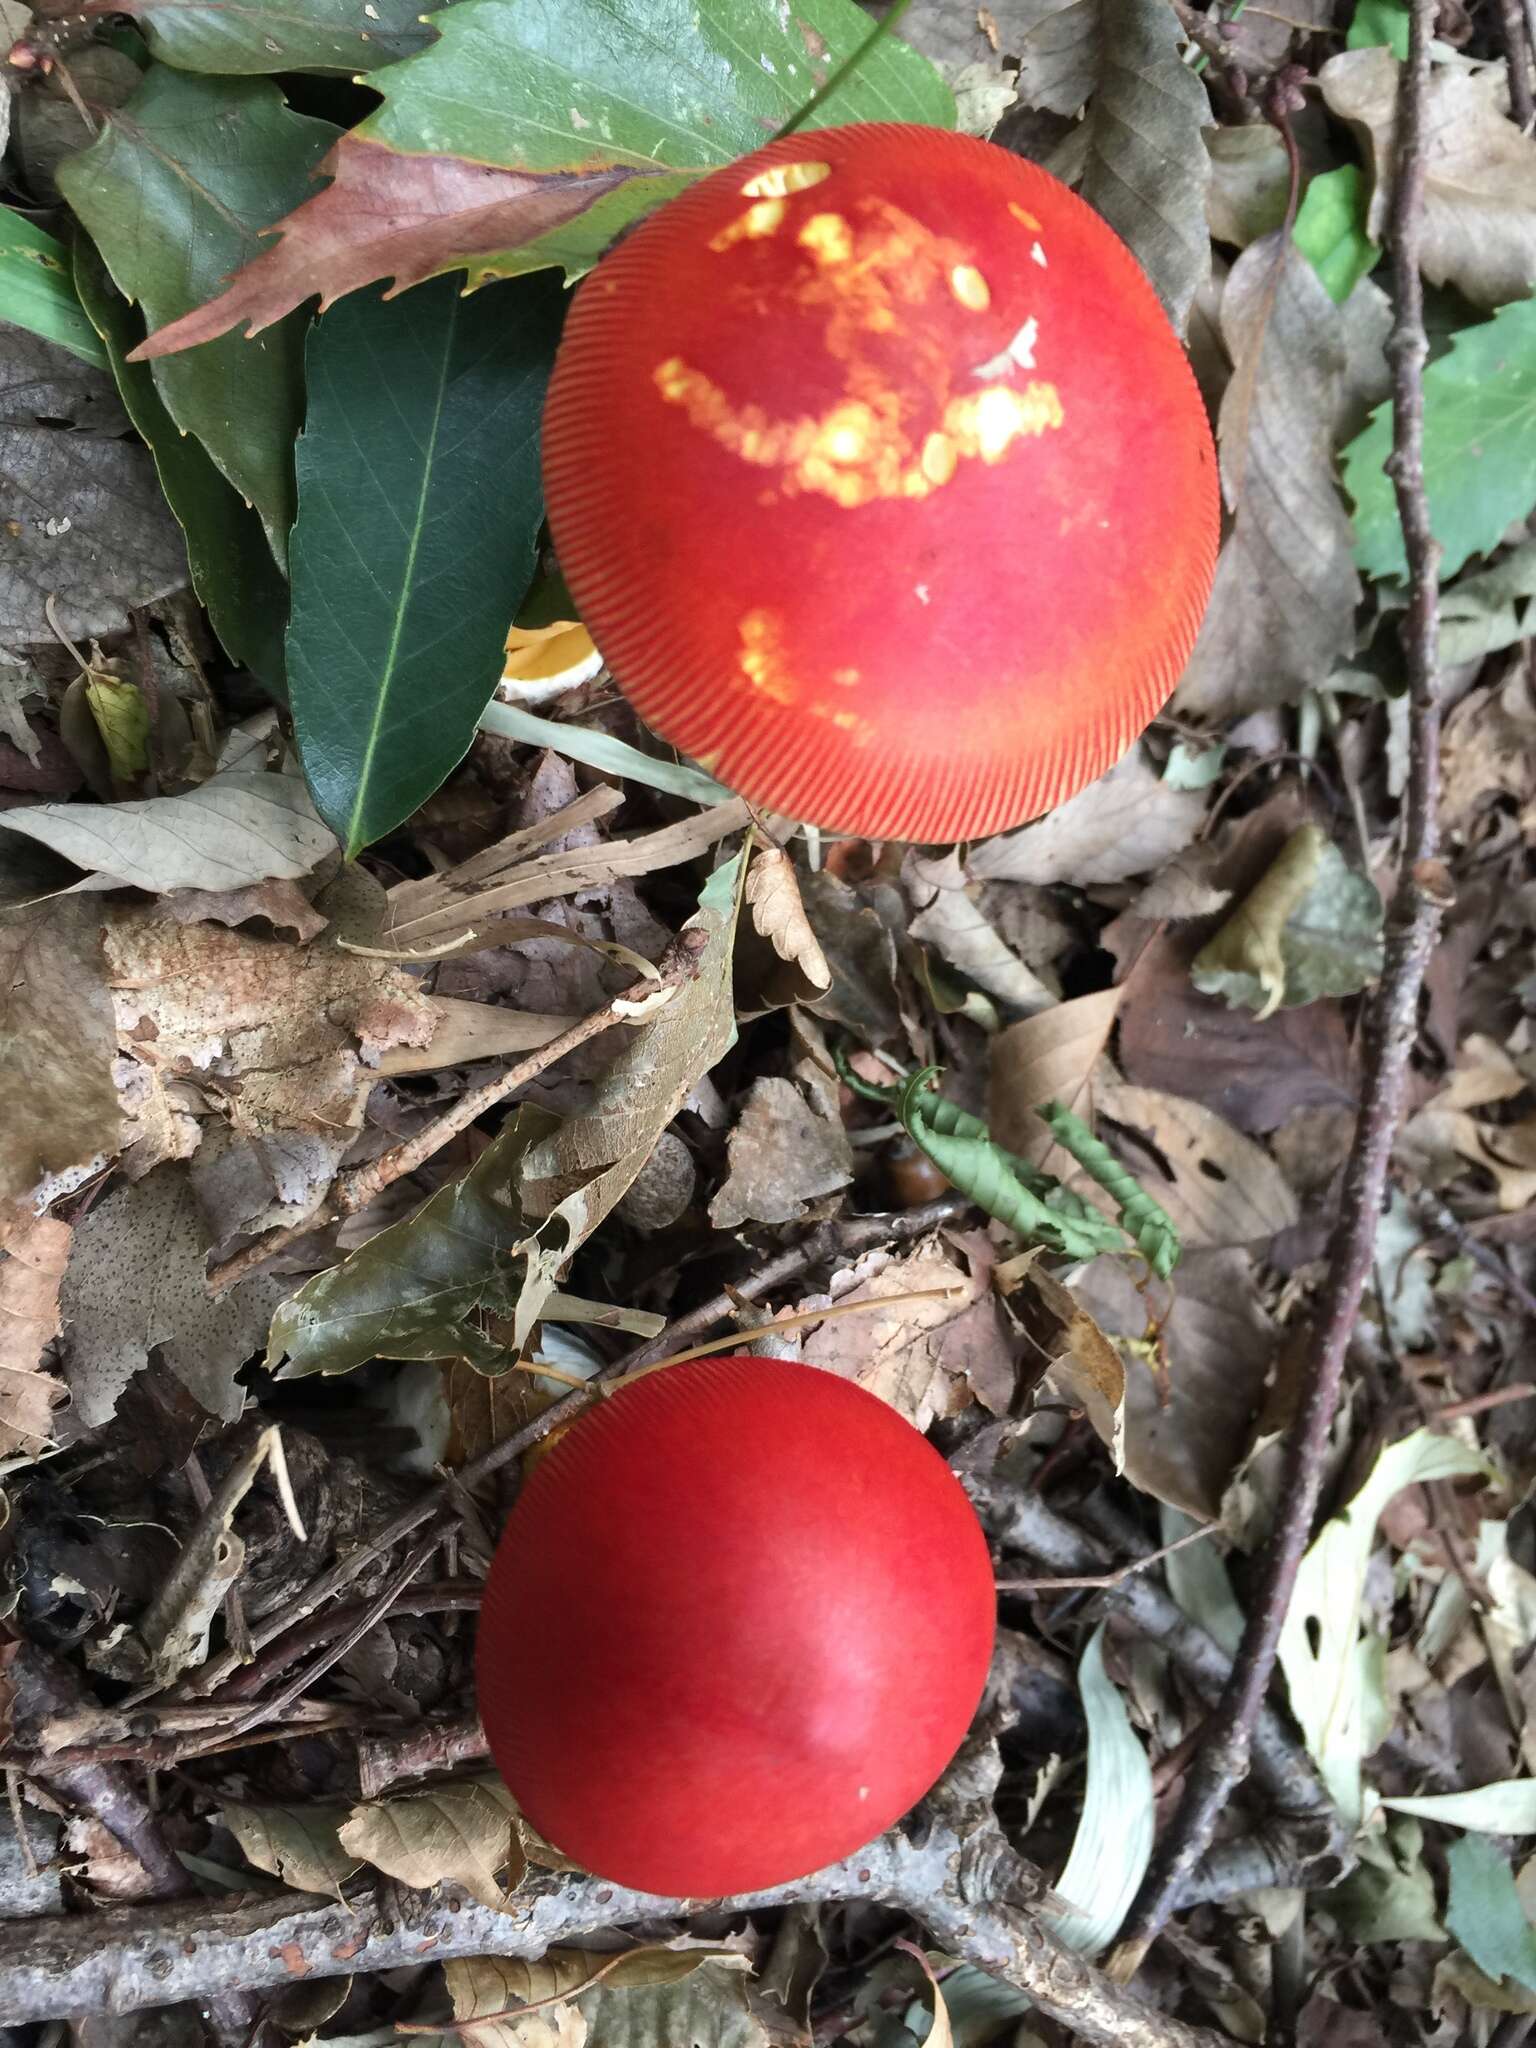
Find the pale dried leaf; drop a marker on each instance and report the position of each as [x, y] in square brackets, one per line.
[295, 1843]
[706, 2009]
[1479, 219]
[239, 828]
[576, 1176]
[58, 1106]
[1225, 1189]
[1219, 1345]
[1139, 155]
[31, 1268]
[1049, 1057]
[778, 915]
[1282, 610]
[1250, 182]
[1126, 823]
[1085, 1365]
[463, 1833]
[281, 903]
[954, 923]
[484, 1985]
[297, 1028]
[782, 1156]
[928, 1359]
[135, 1280]
[466, 1031]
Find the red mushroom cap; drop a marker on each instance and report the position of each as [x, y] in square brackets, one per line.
[737, 1623]
[882, 481]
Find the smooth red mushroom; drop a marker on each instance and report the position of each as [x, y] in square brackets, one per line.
[883, 483]
[738, 1622]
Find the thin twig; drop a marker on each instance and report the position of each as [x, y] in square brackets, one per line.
[1104, 1582]
[1517, 59]
[1390, 1033]
[355, 1189]
[1479, 1404]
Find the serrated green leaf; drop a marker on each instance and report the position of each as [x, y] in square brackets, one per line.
[414, 1290]
[240, 585]
[1143, 1219]
[1330, 230]
[1485, 1914]
[175, 192]
[1479, 448]
[419, 510]
[242, 37]
[36, 291]
[1379, 21]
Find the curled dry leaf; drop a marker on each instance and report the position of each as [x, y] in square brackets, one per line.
[778, 916]
[955, 924]
[1049, 1057]
[1479, 218]
[1282, 609]
[1126, 823]
[464, 1031]
[929, 1359]
[31, 1268]
[464, 1833]
[298, 1844]
[1085, 1365]
[783, 1155]
[1221, 1188]
[1219, 1342]
[485, 1992]
[1310, 928]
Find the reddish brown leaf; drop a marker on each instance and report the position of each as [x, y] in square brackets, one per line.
[388, 214]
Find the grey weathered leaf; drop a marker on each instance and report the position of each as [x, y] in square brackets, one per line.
[237, 828]
[31, 1268]
[707, 2009]
[40, 381]
[1479, 223]
[1222, 1188]
[1311, 928]
[136, 1281]
[782, 1156]
[955, 924]
[296, 1843]
[86, 524]
[1250, 181]
[1282, 610]
[1126, 823]
[58, 1107]
[1139, 155]
[1481, 614]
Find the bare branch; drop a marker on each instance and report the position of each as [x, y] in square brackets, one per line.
[1391, 1031]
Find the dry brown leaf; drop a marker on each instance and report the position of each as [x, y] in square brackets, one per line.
[466, 1031]
[295, 1843]
[856, 929]
[31, 1268]
[1282, 607]
[482, 1986]
[929, 1359]
[58, 1107]
[135, 1280]
[1126, 823]
[1219, 1345]
[954, 923]
[778, 916]
[783, 1155]
[1479, 218]
[429, 917]
[1437, 1138]
[1490, 753]
[464, 1833]
[1084, 1363]
[283, 905]
[277, 1035]
[1225, 1189]
[1049, 1057]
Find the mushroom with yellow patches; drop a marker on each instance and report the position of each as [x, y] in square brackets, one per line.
[906, 531]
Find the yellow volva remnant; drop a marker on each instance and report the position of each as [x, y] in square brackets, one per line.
[763, 218]
[781, 179]
[762, 659]
[828, 237]
[1023, 216]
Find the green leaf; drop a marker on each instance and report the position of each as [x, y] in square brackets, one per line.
[419, 509]
[1380, 21]
[233, 572]
[413, 1290]
[175, 192]
[1485, 1914]
[1331, 233]
[240, 37]
[1479, 448]
[1113, 1843]
[1141, 1217]
[600, 750]
[530, 135]
[36, 291]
